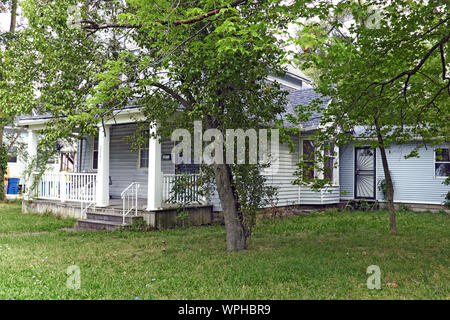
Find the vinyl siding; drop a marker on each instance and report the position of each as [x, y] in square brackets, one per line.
[123, 166]
[327, 195]
[413, 178]
[346, 171]
[281, 178]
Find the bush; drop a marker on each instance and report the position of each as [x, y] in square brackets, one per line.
[447, 200]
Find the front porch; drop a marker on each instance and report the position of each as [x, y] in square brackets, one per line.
[108, 169]
[78, 188]
[111, 177]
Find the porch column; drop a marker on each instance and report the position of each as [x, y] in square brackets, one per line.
[154, 196]
[102, 191]
[31, 161]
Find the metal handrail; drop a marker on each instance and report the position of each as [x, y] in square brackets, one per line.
[88, 204]
[129, 193]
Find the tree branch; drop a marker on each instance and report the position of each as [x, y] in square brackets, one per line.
[91, 25]
[413, 71]
[171, 92]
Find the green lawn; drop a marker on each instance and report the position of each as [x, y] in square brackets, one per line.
[323, 256]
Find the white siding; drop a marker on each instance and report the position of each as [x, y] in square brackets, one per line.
[413, 178]
[282, 178]
[124, 167]
[327, 195]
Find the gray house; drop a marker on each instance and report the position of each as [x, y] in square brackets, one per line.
[111, 183]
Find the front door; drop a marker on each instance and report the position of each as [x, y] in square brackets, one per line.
[365, 173]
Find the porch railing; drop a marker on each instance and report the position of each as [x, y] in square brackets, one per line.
[130, 200]
[188, 191]
[67, 186]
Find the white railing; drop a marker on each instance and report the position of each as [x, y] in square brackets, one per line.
[130, 200]
[48, 186]
[188, 194]
[67, 186]
[84, 206]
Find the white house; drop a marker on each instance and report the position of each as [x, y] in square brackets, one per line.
[110, 183]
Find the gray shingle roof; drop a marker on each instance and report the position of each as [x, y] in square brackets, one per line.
[304, 98]
[295, 97]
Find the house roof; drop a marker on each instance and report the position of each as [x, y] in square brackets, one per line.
[295, 98]
[304, 98]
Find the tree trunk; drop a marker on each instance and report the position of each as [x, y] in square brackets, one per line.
[2, 173]
[236, 239]
[388, 178]
[12, 29]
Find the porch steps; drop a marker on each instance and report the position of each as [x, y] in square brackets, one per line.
[101, 220]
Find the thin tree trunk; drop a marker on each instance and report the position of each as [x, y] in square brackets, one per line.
[388, 178]
[12, 25]
[12, 28]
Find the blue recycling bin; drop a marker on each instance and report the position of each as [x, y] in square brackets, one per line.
[13, 185]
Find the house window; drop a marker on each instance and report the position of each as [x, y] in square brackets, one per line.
[143, 152]
[95, 153]
[12, 155]
[308, 159]
[143, 157]
[329, 163]
[442, 162]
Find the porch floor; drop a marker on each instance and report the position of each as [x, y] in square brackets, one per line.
[116, 204]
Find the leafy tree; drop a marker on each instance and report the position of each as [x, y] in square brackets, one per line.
[7, 111]
[386, 71]
[201, 60]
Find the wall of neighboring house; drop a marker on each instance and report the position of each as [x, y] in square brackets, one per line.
[124, 162]
[414, 179]
[16, 168]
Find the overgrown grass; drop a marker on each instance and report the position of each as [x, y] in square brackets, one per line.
[12, 221]
[323, 256]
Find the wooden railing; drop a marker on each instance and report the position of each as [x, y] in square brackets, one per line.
[67, 186]
[188, 195]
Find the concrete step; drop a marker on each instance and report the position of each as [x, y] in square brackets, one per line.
[100, 225]
[111, 217]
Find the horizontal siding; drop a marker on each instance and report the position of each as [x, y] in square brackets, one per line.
[123, 161]
[327, 195]
[281, 178]
[413, 178]
[346, 171]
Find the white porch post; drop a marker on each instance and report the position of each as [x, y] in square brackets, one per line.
[154, 196]
[31, 164]
[102, 190]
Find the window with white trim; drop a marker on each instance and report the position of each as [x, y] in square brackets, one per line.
[308, 159]
[143, 153]
[330, 158]
[95, 153]
[143, 157]
[442, 162]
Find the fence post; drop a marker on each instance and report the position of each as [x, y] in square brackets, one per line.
[62, 187]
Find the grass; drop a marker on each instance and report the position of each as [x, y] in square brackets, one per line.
[323, 256]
